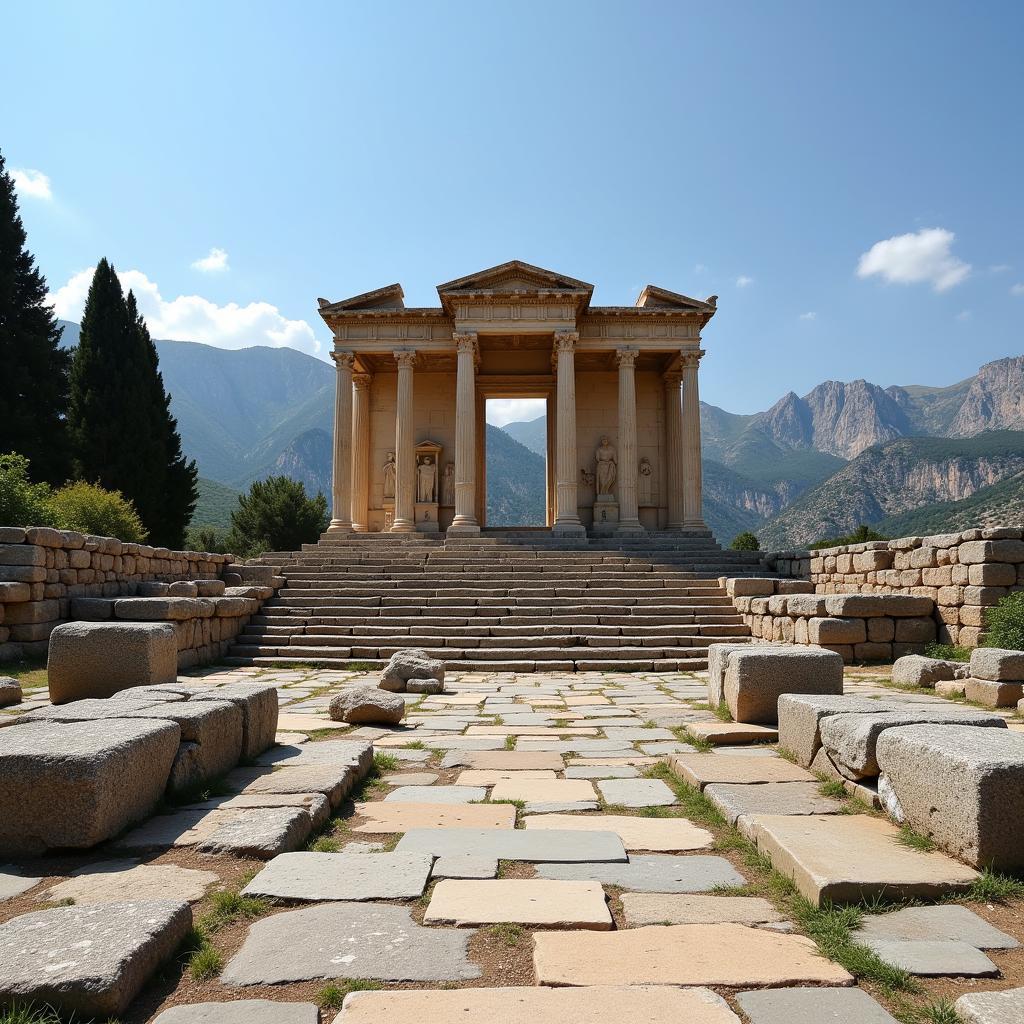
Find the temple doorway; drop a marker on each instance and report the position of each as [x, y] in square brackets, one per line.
[516, 451]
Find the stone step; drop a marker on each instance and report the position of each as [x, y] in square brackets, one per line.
[555, 629]
[489, 622]
[681, 664]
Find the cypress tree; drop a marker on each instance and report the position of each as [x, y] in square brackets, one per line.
[33, 368]
[123, 435]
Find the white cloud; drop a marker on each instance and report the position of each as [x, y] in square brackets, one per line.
[964, 315]
[999, 268]
[1017, 289]
[31, 184]
[216, 260]
[809, 316]
[743, 281]
[500, 411]
[923, 256]
[193, 318]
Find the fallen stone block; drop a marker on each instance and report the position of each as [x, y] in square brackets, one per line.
[408, 664]
[851, 740]
[90, 960]
[997, 664]
[97, 659]
[993, 694]
[916, 670]
[367, 705]
[259, 706]
[1006, 1007]
[77, 784]
[10, 692]
[718, 659]
[756, 679]
[801, 715]
[962, 787]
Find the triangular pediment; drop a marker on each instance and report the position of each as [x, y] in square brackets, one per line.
[653, 297]
[390, 296]
[514, 277]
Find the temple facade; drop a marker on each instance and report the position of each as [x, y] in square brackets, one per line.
[620, 384]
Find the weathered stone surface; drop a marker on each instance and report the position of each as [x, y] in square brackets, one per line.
[750, 586]
[722, 733]
[997, 664]
[437, 794]
[96, 659]
[333, 781]
[339, 876]
[545, 791]
[97, 957]
[702, 769]
[993, 694]
[326, 752]
[865, 606]
[409, 664]
[652, 872]
[503, 760]
[533, 902]
[636, 792]
[598, 1004]
[258, 832]
[599, 772]
[76, 784]
[398, 779]
[661, 835]
[916, 670]
[835, 631]
[114, 880]
[962, 786]
[14, 881]
[643, 908]
[465, 867]
[946, 921]
[754, 680]
[851, 740]
[842, 858]
[685, 954]
[383, 816]
[258, 704]
[772, 798]
[1005, 1007]
[427, 686]
[801, 715]
[10, 692]
[367, 705]
[241, 1011]
[812, 1006]
[377, 941]
[933, 957]
[556, 845]
[316, 805]
[718, 660]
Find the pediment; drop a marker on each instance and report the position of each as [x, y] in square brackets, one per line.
[390, 296]
[514, 277]
[653, 297]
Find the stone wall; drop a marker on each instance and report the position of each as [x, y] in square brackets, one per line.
[963, 573]
[43, 571]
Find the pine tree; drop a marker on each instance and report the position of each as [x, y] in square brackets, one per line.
[122, 433]
[33, 368]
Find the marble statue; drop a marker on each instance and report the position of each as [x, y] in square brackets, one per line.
[389, 475]
[448, 485]
[426, 479]
[606, 467]
[645, 483]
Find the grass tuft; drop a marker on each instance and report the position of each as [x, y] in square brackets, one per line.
[29, 1013]
[722, 712]
[206, 962]
[230, 906]
[506, 933]
[510, 743]
[833, 788]
[385, 762]
[331, 996]
[993, 888]
[916, 840]
[324, 844]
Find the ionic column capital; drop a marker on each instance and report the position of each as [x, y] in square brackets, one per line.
[405, 357]
[362, 381]
[344, 360]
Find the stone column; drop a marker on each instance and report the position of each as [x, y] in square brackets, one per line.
[693, 516]
[361, 452]
[465, 522]
[341, 468]
[405, 446]
[674, 450]
[567, 518]
[629, 513]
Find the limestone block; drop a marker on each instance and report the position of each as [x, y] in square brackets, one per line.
[916, 670]
[210, 588]
[10, 691]
[367, 705]
[872, 651]
[993, 694]
[850, 739]
[22, 554]
[963, 787]
[881, 630]
[32, 612]
[77, 784]
[150, 609]
[992, 574]
[872, 561]
[915, 630]
[410, 663]
[750, 586]
[96, 659]
[833, 631]
[801, 715]
[867, 605]
[755, 679]
[991, 551]
[91, 609]
[718, 658]
[794, 587]
[997, 664]
[11, 593]
[1006, 1007]
[259, 707]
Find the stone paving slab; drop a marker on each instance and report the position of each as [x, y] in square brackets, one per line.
[334, 781]
[652, 873]
[642, 908]
[377, 941]
[326, 752]
[114, 880]
[384, 816]
[535, 902]
[437, 794]
[555, 846]
[411, 779]
[846, 858]
[1005, 1007]
[241, 1011]
[702, 769]
[732, 732]
[342, 876]
[97, 957]
[933, 958]
[490, 777]
[812, 1006]
[545, 791]
[600, 1004]
[14, 883]
[503, 760]
[636, 792]
[599, 772]
[685, 954]
[946, 921]
[770, 798]
[465, 867]
[262, 832]
[661, 835]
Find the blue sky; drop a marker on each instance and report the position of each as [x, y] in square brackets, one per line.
[241, 159]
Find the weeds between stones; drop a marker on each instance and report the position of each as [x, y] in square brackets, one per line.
[915, 840]
[506, 933]
[699, 743]
[722, 712]
[787, 755]
[414, 745]
[384, 762]
[833, 788]
[993, 888]
[28, 1013]
[204, 960]
[331, 996]
[510, 743]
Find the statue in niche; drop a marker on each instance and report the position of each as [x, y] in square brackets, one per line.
[389, 475]
[645, 482]
[426, 480]
[448, 485]
[606, 467]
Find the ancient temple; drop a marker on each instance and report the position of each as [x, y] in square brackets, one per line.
[620, 383]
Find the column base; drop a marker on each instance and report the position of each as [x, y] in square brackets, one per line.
[338, 526]
[634, 529]
[694, 524]
[403, 526]
[568, 530]
[463, 530]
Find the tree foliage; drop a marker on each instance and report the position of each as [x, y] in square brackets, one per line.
[745, 541]
[89, 508]
[33, 367]
[276, 515]
[861, 535]
[22, 502]
[1004, 623]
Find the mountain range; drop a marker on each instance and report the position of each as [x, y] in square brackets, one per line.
[807, 467]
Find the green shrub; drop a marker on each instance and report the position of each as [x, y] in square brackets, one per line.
[207, 538]
[22, 503]
[276, 515]
[745, 541]
[1004, 624]
[90, 508]
[859, 536]
[947, 652]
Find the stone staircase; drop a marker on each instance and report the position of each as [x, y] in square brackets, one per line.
[506, 601]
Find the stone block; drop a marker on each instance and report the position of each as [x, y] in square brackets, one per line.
[409, 664]
[77, 784]
[210, 588]
[259, 706]
[1000, 665]
[362, 705]
[806, 605]
[872, 651]
[91, 609]
[157, 609]
[241, 1011]
[993, 694]
[22, 554]
[10, 692]
[750, 586]
[881, 630]
[755, 679]
[811, 1006]
[992, 574]
[962, 787]
[833, 632]
[915, 630]
[991, 551]
[533, 902]
[1006, 1007]
[864, 606]
[794, 587]
[916, 670]
[718, 658]
[96, 659]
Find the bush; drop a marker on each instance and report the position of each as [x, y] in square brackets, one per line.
[22, 503]
[207, 538]
[859, 536]
[1004, 624]
[89, 508]
[745, 541]
[276, 515]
